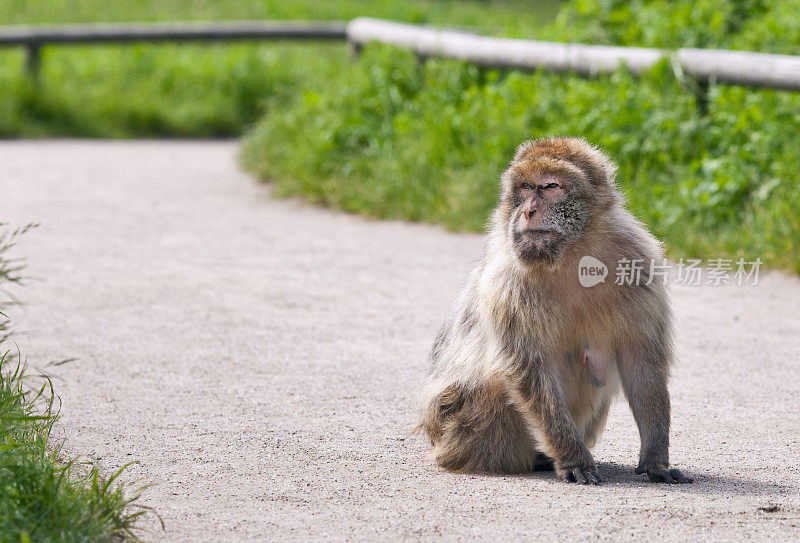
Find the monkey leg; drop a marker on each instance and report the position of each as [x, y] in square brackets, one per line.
[476, 430]
[644, 380]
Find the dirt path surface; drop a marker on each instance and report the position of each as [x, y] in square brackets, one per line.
[259, 356]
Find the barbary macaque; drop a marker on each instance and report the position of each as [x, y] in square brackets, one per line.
[524, 368]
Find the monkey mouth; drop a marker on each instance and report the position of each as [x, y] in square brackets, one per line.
[539, 233]
[536, 244]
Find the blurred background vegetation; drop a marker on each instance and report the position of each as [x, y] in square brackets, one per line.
[390, 137]
[199, 90]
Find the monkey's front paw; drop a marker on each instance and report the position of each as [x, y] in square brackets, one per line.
[581, 475]
[662, 474]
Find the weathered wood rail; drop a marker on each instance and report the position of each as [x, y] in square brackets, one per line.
[735, 67]
[33, 38]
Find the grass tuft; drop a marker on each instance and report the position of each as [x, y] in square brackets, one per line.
[45, 496]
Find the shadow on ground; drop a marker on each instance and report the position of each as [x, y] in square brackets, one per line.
[623, 475]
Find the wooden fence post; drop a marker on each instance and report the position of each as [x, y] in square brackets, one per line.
[33, 60]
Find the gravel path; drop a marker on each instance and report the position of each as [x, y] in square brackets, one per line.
[258, 358]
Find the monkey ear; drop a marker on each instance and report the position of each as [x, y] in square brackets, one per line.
[603, 170]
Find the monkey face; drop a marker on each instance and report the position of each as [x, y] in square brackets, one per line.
[551, 192]
[548, 212]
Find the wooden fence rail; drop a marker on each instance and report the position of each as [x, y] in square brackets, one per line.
[33, 38]
[736, 67]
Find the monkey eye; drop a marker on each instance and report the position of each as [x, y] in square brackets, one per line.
[551, 186]
[526, 186]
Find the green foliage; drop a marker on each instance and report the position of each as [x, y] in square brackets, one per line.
[771, 26]
[149, 90]
[428, 142]
[511, 17]
[210, 90]
[44, 497]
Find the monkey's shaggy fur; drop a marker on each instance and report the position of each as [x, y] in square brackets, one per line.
[508, 383]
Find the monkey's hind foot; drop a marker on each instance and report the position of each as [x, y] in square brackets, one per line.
[664, 475]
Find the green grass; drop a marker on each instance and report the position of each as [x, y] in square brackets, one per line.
[45, 496]
[212, 90]
[146, 90]
[510, 17]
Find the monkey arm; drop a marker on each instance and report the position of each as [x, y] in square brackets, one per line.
[554, 429]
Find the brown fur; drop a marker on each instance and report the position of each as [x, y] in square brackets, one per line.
[528, 361]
